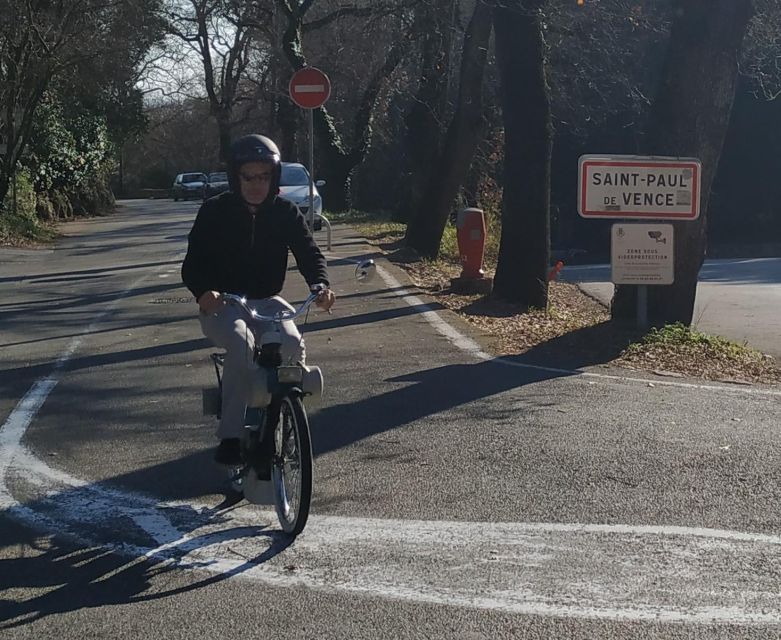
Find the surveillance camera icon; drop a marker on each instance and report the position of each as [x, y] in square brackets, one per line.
[657, 235]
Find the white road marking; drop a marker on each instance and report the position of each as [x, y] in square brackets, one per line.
[472, 348]
[616, 572]
[17, 423]
[13, 429]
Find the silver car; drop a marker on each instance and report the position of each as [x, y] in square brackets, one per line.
[294, 186]
[188, 185]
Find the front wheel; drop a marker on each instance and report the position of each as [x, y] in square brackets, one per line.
[291, 465]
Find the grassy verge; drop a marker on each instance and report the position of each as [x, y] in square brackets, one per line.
[680, 349]
[24, 231]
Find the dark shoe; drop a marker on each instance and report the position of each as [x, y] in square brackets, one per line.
[228, 452]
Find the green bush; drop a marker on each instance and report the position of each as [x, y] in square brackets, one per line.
[19, 219]
[681, 335]
[71, 162]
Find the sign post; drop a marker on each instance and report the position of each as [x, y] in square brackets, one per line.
[640, 188]
[310, 88]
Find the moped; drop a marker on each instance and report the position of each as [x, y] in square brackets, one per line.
[276, 447]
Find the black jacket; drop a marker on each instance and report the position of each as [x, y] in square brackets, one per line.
[231, 250]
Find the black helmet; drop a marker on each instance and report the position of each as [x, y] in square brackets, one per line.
[253, 148]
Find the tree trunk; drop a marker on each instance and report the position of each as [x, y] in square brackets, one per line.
[337, 174]
[424, 126]
[425, 229]
[524, 250]
[689, 118]
[287, 123]
[224, 126]
[5, 181]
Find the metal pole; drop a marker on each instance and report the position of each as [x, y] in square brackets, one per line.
[642, 307]
[311, 215]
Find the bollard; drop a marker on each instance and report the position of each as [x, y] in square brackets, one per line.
[470, 232]
[553, 274]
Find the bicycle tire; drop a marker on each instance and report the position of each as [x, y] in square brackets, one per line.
[291, 468]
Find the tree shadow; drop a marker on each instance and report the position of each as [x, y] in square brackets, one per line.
[69, 276]
[596, 345]
[444, 388]
[426, 393]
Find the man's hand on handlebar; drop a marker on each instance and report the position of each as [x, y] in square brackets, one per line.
[210, 301]
[325, 299]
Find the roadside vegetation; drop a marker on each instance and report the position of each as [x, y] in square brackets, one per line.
[678, 348]
[574, 330]
[21, 225]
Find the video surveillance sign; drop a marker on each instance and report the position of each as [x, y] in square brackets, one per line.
[642, 253]
[636, 187]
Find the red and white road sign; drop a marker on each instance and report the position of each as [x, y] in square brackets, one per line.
[636, 187]
[309, 88]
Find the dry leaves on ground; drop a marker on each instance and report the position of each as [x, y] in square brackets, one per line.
[576, 331]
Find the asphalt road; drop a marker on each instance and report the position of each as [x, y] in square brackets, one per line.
[456, 495]
[738, 299]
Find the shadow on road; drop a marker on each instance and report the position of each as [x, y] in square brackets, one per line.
[731, 271]
[131, 540]
[444, 388]
[68, 577]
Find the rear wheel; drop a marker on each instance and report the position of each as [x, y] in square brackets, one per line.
[291, 467]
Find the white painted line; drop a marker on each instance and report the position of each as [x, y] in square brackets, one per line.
[613, 572]
[14, 427]
[471, 347]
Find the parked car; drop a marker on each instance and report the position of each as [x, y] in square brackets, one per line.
[216, 183]
[294, 186]
[188, 185]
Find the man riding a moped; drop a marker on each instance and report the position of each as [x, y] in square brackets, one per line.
[239, 245]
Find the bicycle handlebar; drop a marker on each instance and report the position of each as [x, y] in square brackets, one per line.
[279, 316]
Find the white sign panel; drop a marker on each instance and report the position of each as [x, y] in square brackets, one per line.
[638, 187]
[642, 253]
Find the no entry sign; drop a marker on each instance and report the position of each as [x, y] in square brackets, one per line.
[309, 88]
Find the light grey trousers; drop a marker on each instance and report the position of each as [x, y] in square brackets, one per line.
[228, 329]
